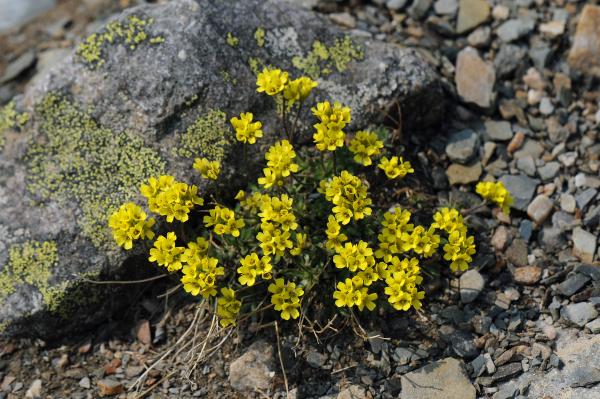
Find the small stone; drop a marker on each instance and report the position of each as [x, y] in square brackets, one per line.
[584, 244]
[463, 174]
[445, 378]
[35, 390]
[471, 13]
[353, 392]
[514, 29]
[531, 148]
[553, 28]
[594, 326]
[344, 19]
[585, 197]
[540, 208]
[526, 165]
[85, 383]
[446, 7]
[462, 146]
[567, 203]
[15, 68]
[516, 142]
[500, 12]
[474, 78]
[110, 387]
[402, 356]
[552, 238]
[508, 59]
[498, 130]
[527, 275]
[507, 371]
[143, 333]
[480, 37]
[419, 8]
[489, 147]
[254, 369]
[500, 238]
[517, 252]
[546, 107]
[568, 158]
[579, 313]
[395, 5]
[471, 285]
[573, 284]
[521, 188]
[585, 50]
[525, 229]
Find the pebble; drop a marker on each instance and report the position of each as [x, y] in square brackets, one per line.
[546, 107]
[525, 229]
[35, 390]
[539, 209]
[568, 158]
[526, 165]
[585, 50]
[489, 147]
[584, 244]
[17, 66]
[579, 313]
[474, 78]
[507, 371]
[480, 37]
[553, 28]
[501, 238]
[462, 146]
[527, 275]
[353, 392]
[143, 332]
[463, 174]
[508, 59]
[471, 285]
[110, 387]
[567, 203]
[498, 130]
[573, 284]
[514, 29]
[585, 197]
[549, 171]
[344, 19]
[552, 238]
[594, 326]
[521, 188]
[85, 383]
[517, 252]
[419, 8]
[445, 378]
[500, 12]
[395, 5]
[14, 13]
[446, 7]
[471, 13]
[531, 148]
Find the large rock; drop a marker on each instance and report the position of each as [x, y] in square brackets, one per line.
[585, 50]
[117, 112]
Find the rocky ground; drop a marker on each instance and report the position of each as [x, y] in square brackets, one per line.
[523, 322]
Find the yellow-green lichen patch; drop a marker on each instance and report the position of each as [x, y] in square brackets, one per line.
[322, 59]
[28, 263]
[209, 136]
[132, 33]
[10, 118]
[227, 77]
[71, 296]
[259, 36]
[256, 65]
[77, 160]
[232, 40]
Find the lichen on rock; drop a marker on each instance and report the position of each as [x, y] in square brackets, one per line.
[209, 136]
[323, 59]
[11, 118]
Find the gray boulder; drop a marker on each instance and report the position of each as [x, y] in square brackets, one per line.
[117, 111]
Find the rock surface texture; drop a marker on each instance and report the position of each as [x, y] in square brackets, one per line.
[114, 113]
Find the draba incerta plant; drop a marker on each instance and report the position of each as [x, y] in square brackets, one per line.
[307, 222]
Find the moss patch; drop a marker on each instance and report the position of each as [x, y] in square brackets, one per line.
[83, 162]
[322, 60]
[132, 34]
[28, 263]
[10, 118]
[259, 36]
[209, 136]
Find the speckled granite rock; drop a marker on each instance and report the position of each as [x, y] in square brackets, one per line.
[115, 113]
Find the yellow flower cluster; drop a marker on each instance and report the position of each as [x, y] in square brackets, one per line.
[224, 221]
[196, 249]
[200, 276]
[130, 223]
[208, 169]
[354, 257]
[330, 135]
[335, 238]
[448, 219]
[280, 164]
[286, 298]
[424, 242]
[298, 89]
[459, 249]
[278, 210]
[246, 131]
[395, 167]
[395, 236]
[364, 146]
[167, 253]
[252, 202]
[402, 280]
[497, 193]
[348, 195]
[301, 244]
[227, 307]
[271, 81]
[170, 198]
[350, 293]
[273, 240]
[254, 267]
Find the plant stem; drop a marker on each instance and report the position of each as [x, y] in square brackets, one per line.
[334, 163]
[293, 132]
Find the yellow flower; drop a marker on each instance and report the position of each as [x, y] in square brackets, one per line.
[349, 195]
[228, 307]
[200, 275]
[224, 221]
[301, 244]
[330, 135]
[253, 267]
[280, 164]
[166, 253]
[171, 198]
[278, 210]
[286, 298]
[354, 257]
[246, 131]
[497, 193]
[298, 89]
[273, 241]
[335, 238]
[196, 249]
[424, 242]
[395, 235]
[350, 293]
[402, 280]
[364, 146]
[251, 202]
[271, 81]
[448, 219]
[459, 249]
[208, 169]
[395, 167]
[129, 223]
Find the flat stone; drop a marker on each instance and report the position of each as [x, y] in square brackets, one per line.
[592, 271]
[546, 106]
[579, 313]
[584, 244]
[527, 275]
[568, 203]
[110, 387]
[573, 284]
[471, 13]
[530, 148]
[585, 49]
[507, 371]
[540, 208]
[592, 217]
[517, 252]
[552, 238]
[594, 326]
[445, 378]
[508, 59]
[549, 171]
[446, 7]
[498, 130]
[553, 28]
[526, 165]
[474, 78]
[17, 66]
[471, 285]
[353, 392]
[525, 229]
[463, 174]
[419, 8]
[501, 238]
[480, 37]
[254, 369]
[462, 146]
[521, 188]
[396, 5]
[343, 19]
[514, 29]
[585, 197]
